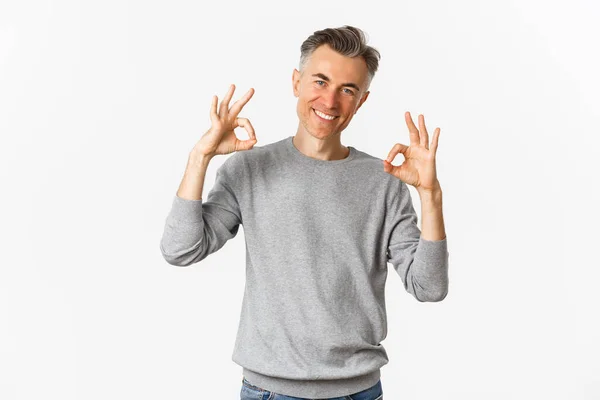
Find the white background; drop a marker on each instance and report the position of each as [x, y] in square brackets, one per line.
[101, 102]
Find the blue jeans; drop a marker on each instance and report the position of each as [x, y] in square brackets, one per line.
[251, 392]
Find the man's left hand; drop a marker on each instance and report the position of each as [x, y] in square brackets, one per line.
[418, 168]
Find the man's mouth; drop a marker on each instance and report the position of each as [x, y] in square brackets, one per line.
[324, 116]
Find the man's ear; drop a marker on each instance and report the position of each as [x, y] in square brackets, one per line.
[296, 82]
[362, 100]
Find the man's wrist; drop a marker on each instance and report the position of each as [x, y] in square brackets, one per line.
[433, 196]
[199, 160]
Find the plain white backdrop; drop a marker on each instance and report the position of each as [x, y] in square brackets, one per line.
[101, 102]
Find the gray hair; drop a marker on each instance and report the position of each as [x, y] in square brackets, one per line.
[346, 40]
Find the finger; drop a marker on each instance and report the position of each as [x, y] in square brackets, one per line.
[245, 144]
[213, 109]
[225, 103]
[238, 105]
[396, 170]
[434, 141]
[423, 130]
[387, 167]
[245, 123]
[412, 129]
[248, 143]
[398, 148]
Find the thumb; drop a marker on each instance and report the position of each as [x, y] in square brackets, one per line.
[398, 148]
[246, 144]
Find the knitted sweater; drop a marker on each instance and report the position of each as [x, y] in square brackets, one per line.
[319, 235]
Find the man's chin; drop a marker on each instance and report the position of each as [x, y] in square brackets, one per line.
[323, 135]
[319, 132]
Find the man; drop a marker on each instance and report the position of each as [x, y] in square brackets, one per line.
[321, 222]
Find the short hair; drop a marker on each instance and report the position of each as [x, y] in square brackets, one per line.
[346, 40]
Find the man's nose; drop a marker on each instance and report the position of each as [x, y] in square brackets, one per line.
[330, 98]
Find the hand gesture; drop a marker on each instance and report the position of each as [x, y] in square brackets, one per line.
[418, 168]
[220, 138]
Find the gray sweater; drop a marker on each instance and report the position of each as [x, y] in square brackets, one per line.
[319, 235]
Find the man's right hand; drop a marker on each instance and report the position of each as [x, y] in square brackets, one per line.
[220, 138]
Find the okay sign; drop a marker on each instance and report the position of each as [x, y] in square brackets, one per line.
[418, 168]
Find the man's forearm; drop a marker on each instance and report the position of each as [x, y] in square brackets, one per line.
[193, 179]
[432, 219]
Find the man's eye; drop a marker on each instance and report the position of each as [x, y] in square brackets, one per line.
[319, 81]
[349, 91]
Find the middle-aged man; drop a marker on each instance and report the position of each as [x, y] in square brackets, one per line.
[321, 221]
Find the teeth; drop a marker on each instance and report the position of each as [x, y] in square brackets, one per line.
[320, 114]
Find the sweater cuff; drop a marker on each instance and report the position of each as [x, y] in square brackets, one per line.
[186, 210]
[432, 251]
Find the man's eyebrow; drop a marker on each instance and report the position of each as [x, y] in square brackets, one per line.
[326, 79]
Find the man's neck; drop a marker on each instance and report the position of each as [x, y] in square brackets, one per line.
[328, 150]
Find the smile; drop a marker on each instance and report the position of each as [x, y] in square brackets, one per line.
[324, 116]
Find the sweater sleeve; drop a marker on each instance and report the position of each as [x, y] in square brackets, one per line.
[195, 229]
[421, 264]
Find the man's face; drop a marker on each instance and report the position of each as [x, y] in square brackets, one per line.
[332, 84]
